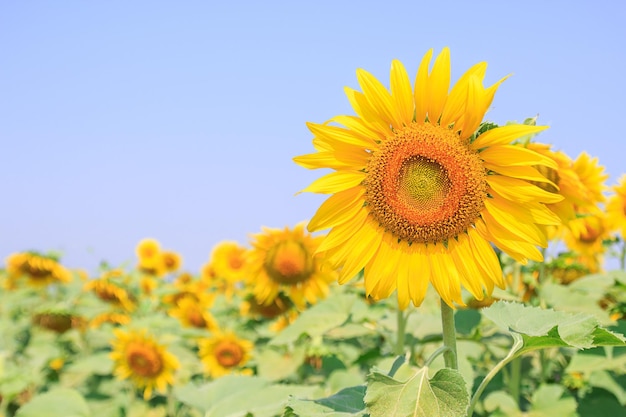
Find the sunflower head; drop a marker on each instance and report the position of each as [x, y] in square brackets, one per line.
[139, 358]
[228, 261]
[171, 261]
[192, 313]
[224, 353]
[421, 189]
[285, 261]
[110, 288]
[59, 321]
[586, 238]
[38, 270]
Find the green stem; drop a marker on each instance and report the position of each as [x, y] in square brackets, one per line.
[449, 336]
[515, 378]
[622, 258]
[401, 330]
[508, 358]
[433, 356]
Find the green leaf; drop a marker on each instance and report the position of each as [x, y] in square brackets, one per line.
[600, 403]
[444, 395]
[465, 321]
[274, 365]
[317, 320]
[548, 401]
[347, 400]
[501, 404]
[540, 328]
[59, 402]
[238, 396]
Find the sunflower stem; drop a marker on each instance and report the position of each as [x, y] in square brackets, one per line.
[401, 330]
[622, 259]
[515, 378]
[449, 336]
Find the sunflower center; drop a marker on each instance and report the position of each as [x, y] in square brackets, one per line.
[196, 319]
[235, 262]
[143, 360]
[289, 263]
[425, 185]
[228, 354]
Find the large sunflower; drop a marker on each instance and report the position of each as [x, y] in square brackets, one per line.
[421, 189]
[224, 353]
[141, 359]
[616, 207]
[285, 260]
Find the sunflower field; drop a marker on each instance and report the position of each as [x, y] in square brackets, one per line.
[457, 268]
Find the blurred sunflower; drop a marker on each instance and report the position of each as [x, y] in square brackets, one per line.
[194, 290]
[59, 321]
[38, 270]
[224, 353]
[588, 245]
[171, 261]
[141, 359]
[616, 207]
[281, 309]
[229, 260]
[285, 261]
[109, 317]
[150, 260]
[422, 189]
[109, 288]
[192, 313]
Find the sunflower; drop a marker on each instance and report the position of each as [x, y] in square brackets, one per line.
[228, 260]
[192, 313]
[149, 253]
[141, 359]
[224, 353]
[616, 207]
[194, 290]
[285, 261]
[171, 261]
[110, 317]
[421, 188]
[59, 321]
[108, 288]
[38, 270]
[281, 309]
[588, 245]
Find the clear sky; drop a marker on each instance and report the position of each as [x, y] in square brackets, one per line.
[177, 120]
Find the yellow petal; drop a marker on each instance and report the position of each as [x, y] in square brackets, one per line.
[513, 155]
[335, 182]
[402, 92]
[457, 100]
[421, 88]
[378, 97]
[367, 113]
[481, 105]
[515, 222]
[418, 274]
[334, 133]
[340, 234]
[338, 209]
[359, 127]
[523, 172]
[438, 85]
[504, 135]
[363, 246]
[520, 190]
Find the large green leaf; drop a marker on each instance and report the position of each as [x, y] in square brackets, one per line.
[444, 395]
[539, 328]
[238, 396]
[319, 319]
[59, 402]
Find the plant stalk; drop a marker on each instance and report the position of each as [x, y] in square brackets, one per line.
[449, 336]
[401, 330]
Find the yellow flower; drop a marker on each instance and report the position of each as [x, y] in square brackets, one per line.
[150, 257]
[616, 207]
[171, 261]
[285, 261]
[113, 318]
[38, 270]
[588, 244]
[224, 353]
[580, 182]
[421, 189]
[192, 313]
[138, 357]
[280, 308]
[194, 290]
[228, 260]
[109, 290]
[56, 364]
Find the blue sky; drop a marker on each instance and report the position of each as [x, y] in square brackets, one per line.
[178, 120]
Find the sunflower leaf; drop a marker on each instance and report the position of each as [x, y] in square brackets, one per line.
[59, 402]
[317, 320]
[540, 328]
[346, 403]
[443, 395]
